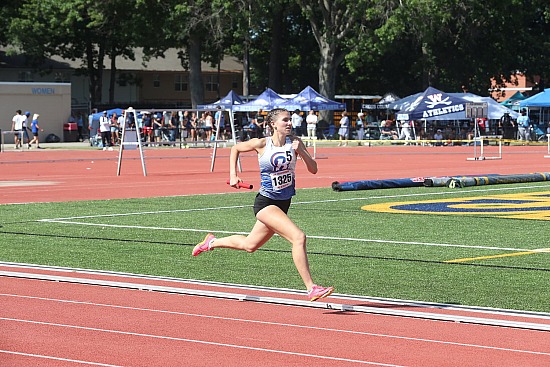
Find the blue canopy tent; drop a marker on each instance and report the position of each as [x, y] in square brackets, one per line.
[309, 99]
[265, 101]
[495, 109]
[541, 99]
[118, 112]
[513, 102]
[431, 104]
[227, 102]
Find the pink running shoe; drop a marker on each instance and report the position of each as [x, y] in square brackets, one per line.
[204, 245]
[317, 292]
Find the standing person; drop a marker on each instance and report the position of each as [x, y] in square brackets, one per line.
[277, 160]
[93, 123]
[311, 121]
[114, 128]
[208, 126]
[105, 130]
[343, 131]
[219, 118]
[35, 128]
[80, 126]
[297, 123]
[507, 125]
[17, 128]
[26, 127]
[405, 133]
[360, 127]
[523, 126]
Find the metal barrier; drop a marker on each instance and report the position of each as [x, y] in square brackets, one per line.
[3, 133]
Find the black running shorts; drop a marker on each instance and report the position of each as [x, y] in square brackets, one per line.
[261, 202]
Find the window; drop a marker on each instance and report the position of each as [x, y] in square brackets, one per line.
[211, 83]
[156, 81]
[181, 83]
[25, 76]
[235, 83]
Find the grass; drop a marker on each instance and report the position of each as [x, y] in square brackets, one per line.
[386, 254]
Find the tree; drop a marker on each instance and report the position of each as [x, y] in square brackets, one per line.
[332, 22]
[76, 29]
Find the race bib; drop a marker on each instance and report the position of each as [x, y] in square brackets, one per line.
[281, 180]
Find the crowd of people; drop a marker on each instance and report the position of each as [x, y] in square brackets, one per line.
[164, 128]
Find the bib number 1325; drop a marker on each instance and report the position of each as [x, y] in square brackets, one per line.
[280, 180]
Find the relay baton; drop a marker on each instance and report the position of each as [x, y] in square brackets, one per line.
[244, 185]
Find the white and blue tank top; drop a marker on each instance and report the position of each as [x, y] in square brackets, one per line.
[277, 165]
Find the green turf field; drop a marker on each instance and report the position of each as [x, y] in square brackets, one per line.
[390, 252]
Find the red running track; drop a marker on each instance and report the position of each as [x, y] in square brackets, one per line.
[50, 323]
[66, 175]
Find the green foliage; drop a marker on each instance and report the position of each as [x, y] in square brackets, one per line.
[344, 46]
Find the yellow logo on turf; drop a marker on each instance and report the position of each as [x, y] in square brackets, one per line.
[519, 206]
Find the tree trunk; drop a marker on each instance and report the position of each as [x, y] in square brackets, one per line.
[113, 77]
[95, 72]
[196, 84]
[275, 57]
[327, 78]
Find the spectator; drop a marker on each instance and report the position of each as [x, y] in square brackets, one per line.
[35, 128]
[17, 128]
[507, 125]
[360, 127]
[147, 127]
[311, 121]
[93, 123]
[343, 131]
[208, 126]
[405, 131]
[157, 129]
[114, 128]
[26, 128]
[105, 130]
[438, 137]
[219, 118]
[296, 123]
[80, 126]
[386, 132]
[523, 126]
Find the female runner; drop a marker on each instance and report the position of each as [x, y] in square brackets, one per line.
[277, 160]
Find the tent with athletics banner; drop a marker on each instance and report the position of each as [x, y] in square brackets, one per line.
[309, 99]
[432, 104]
[265, 101]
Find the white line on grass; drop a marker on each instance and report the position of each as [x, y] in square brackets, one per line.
[203, 230]
[70, 220]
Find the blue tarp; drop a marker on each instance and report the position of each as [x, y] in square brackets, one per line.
[265, 101]
[228, 102]
[118, 111]
[541, 99]
[309, 99]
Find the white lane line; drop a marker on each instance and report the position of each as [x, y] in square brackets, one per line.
[271, 323]
[43, 356]
[196, 341]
